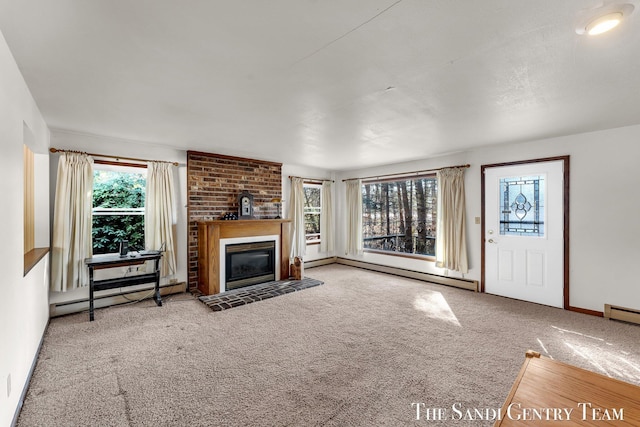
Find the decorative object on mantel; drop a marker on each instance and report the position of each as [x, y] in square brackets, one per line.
[278, 201]
[245, 205]
[229, 216]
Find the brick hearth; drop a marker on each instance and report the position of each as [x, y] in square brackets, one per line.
[262, 291]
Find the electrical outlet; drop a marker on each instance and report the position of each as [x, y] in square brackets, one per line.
[477, 220]
[9, 385]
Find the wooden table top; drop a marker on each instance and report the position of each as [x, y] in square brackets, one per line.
[547, 392]
[114, 260]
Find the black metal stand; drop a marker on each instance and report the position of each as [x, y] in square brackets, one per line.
[111, 261]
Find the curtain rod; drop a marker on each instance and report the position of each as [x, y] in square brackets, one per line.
[57, 150]
[400, 174]
[311, 179]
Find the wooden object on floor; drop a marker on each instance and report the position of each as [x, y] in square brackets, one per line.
[297, 269]
[547, 392]
[210, 233]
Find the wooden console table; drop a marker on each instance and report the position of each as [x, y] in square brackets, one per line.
[111, 261]
[547, 392]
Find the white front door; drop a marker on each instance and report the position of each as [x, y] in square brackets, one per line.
[523, 241]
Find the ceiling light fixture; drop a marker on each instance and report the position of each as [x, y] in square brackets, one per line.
[602, 19]
[604, 23]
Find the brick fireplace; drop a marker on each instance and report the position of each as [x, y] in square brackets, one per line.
[213, 184]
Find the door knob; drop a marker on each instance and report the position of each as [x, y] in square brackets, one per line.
[491, 241]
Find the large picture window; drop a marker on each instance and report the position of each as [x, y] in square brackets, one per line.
[399, 215]
[118, 208]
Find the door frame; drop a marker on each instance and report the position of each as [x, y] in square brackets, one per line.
[565, 195]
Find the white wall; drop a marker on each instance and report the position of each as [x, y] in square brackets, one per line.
[604, 202]
[120, 147]
[23, 299]
[312, 251]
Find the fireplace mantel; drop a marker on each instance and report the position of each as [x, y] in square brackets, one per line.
[211, 232]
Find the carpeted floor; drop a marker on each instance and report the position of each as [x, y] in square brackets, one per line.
[356, 351]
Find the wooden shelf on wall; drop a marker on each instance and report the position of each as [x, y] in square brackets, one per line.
[33, 257]
[210, 233]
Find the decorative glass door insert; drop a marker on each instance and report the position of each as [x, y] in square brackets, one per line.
[522, 206]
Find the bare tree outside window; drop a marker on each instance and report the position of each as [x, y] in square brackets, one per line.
[400, 215]
[312, 206]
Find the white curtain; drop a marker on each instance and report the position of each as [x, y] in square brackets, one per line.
[72, 241]
[451, 244]
[326, 218]
[160, 214]
[296, 215]
[354, 216]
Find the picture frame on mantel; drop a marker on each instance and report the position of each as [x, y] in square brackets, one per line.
[245, 205]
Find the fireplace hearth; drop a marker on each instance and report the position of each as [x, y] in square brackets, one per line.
[249, 264]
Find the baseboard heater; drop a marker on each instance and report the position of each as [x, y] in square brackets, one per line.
[319, 262]
[109, 299]
[471, 285]
[630, 315]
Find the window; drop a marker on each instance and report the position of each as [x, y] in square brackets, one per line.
[118, 207]
[399, 216]
[312, 205]
[522, 206]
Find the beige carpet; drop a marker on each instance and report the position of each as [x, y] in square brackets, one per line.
[356, 351]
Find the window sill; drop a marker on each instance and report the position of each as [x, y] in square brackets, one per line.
[32, 258]
[429, 258]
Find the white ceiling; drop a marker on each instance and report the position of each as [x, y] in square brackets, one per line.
[335, 84]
